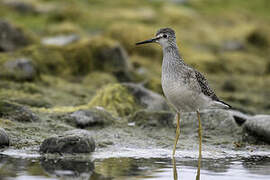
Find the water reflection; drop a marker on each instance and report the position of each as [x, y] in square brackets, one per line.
[68, 168]
[253, 167]
[175, 173]
[199, 167]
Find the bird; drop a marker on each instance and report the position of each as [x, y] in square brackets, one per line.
[183, 86]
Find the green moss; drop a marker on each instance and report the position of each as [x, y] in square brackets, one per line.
[98, 79]
[63, 28]
[6, 122]
[116, 99]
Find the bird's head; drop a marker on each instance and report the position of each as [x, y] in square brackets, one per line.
[164, 36]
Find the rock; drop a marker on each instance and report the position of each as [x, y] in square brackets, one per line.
[99, 54]
[258, 126]
[16, 112]
[91, 117]
[20, 69]
[258, 38]
[146, 98]
[11, 37]
[219, 125]
[60, 40]
[179, 1]
[117, 59]
[22, 7]
[233, 46]
[4, 138]
[74, 141]
[156, 119]
[76, 168]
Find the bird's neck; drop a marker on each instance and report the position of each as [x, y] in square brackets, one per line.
[172, 56]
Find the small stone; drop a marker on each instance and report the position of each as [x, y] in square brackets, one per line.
[20, 69]
[4, 138]
[74, 141]
[16, 112]
[91, 117]
[146, 98]
[11, 38]
[233, 46]
[258, 126]
[60, 40]
[156, 119]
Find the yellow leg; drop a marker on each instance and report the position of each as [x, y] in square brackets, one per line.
[200, 146]
[175, 175]
[177, 133]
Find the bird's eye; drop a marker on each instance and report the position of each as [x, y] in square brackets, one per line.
[165, 35]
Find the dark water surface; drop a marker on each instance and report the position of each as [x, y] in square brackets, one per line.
[119, 168]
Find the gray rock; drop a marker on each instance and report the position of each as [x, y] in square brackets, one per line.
[22, 7]
[4, 138]
[179, 1]
[91, 117]
[259, 127]
[20, 69]
[155, 119]
[215, 123]
[116, 58]
[16, 112]
[147, 98]
[74, 141]
[233, 46]
[11, 37]
[60, 40]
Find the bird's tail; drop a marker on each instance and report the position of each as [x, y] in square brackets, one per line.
[220, 105]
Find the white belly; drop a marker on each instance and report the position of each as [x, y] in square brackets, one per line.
[183, 98]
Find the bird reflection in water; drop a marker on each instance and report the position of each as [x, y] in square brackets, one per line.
[175, 174]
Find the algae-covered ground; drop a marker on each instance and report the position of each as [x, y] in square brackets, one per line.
[227, 40]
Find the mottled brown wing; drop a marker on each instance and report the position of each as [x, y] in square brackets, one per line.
[205, 87]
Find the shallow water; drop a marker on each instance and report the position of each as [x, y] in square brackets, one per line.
[32, 167]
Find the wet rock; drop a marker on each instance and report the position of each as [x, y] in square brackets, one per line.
[146, 98]
[11, 37]
[21, 69]
[259, 127]
[74, 141]
[91, 117]
[218, 125]
[16, 112]
[155, 119]
[75, 168]
[4, 138]
[60, 40]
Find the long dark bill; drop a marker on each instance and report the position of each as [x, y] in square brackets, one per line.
[147, 41]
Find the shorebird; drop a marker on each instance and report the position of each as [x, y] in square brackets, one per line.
[183, 86]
